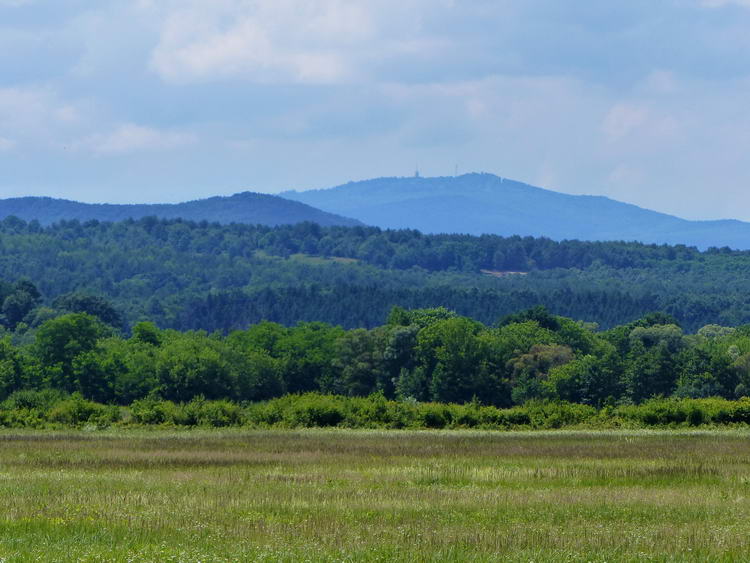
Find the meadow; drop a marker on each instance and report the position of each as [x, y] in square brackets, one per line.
[374, 495]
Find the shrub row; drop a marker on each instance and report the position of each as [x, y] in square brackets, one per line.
[314, 410]
[53, 409]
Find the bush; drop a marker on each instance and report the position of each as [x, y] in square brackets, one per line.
[368, 412]
[200, 412]
[695, 416]
[265, 414]
[153, 411]
[30, 399]
[77, 411]
[466, 416]
[314, 410]
[548, 414]
[434, 415]
[684, 412]
[38, 409]
[22, 418]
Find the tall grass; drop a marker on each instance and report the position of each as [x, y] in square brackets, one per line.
[376, 495]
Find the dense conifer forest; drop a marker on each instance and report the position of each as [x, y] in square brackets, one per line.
[186, 275]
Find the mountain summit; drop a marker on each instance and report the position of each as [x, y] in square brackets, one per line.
[246, 207]
[487, 204]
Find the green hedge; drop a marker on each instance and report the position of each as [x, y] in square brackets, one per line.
[47, 409]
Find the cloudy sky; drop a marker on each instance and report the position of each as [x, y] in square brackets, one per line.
[645, 101]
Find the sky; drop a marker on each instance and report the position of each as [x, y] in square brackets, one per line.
[644, 101]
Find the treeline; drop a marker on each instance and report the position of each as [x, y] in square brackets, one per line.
[51, 409]
[367, 305]
[390, 249]
[186, 275]
[419, 355]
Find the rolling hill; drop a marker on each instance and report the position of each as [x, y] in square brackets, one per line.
[246, 207]
[487, 204]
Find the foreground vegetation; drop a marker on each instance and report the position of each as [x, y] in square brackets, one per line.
[424, 355]
[54, 410]
[374, 496]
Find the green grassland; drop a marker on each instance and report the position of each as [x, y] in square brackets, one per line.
[344, 495]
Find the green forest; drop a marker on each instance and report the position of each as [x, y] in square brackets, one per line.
[205, 276]
[175, 310]
[422, 355]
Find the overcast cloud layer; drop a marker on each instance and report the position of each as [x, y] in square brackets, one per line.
[166, 100]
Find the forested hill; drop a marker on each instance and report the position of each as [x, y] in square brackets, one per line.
[486, 204]
[199, 275]
[246, 207]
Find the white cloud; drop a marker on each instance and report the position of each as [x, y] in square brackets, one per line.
[38, 115]
[624, 175]
[265, 41]
[639, 121]
[298, 41]
[6, 144]
[623, 119]
[660, 82]
[129, 138]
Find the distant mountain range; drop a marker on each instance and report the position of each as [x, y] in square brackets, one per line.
[246, 207]
[472, 204]
[483, 203]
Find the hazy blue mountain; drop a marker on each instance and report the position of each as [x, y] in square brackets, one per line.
[484, 203]
[246, 207]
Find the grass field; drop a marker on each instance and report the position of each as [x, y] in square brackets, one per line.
[374, 496]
